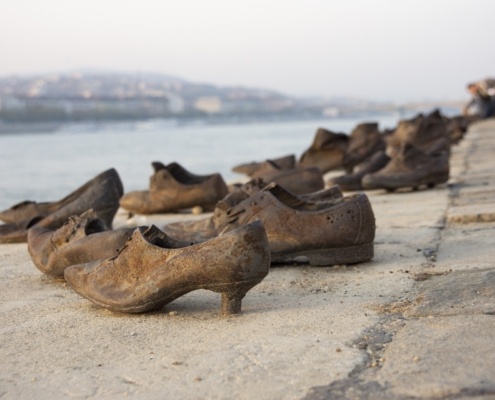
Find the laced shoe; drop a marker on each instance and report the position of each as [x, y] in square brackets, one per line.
[412, 167]
[422, 132]
[352, 182]
[326, 233]
[152, 270]
[198, 231]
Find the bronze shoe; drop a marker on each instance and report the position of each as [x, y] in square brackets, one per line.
[201, 230]
[27, 210]
[337, 232]
[352, 182]
[102, 194]
[150, 271]
[297, 180]
[364, 141]
[326, 152]
[411, 167]
[284, 162]
[80, 240]
[425, 133]
[173, 188]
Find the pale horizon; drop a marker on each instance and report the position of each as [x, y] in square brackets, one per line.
[406, 51]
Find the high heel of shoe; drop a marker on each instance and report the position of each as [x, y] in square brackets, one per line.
[232, 298]
[231, 303]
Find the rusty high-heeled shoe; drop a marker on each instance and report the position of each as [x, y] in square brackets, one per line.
[151, 270]
[80, 240]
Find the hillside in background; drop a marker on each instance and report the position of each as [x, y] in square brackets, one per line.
[106, 96]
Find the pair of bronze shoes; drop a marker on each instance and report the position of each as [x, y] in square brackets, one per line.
[141, 269]
[173, 188]
[102, 194]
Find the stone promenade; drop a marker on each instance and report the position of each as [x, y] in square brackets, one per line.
[417, 322]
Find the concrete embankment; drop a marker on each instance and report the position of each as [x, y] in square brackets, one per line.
[416, 322]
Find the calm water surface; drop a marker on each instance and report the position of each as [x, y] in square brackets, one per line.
[47, 166]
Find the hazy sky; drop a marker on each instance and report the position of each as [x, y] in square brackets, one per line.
[378, 49]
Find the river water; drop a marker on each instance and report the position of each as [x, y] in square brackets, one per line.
[47, 166]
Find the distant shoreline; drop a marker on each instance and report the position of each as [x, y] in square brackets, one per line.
[10, 128]
[91, 125]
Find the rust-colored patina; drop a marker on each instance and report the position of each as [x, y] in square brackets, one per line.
[102, 194]
[80, 240]
[151, 270]
[173, 188]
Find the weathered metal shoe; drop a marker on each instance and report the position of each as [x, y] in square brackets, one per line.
[28, 210]
[284, 162]
[326, 152]
[102, 194]
[298, 180]
[80, 240]
[337, 232]
[173, 188]
[364, 141]
[412, 167]
[425, 133]
[150, 271]
[352, 182]
[198, 231]
[457, 127]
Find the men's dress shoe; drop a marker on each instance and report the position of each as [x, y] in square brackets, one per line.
[80, 240]
[326, 152]
[364, 141]
[284, 162]
[150, 271]
[411, 167]
[352, 182]
[297, 180]
[204, 229]
[424, 133]
[102, 194]
[337, 231]
[173, 188]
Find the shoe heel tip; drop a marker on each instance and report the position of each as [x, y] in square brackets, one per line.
[230, 304]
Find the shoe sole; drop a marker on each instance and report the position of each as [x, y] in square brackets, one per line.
[430, 181]
[337, 256]
[232, 295]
